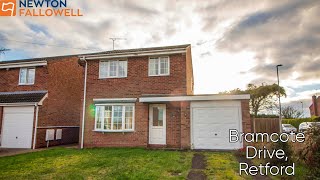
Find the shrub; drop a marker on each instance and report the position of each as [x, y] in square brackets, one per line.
[297, 122]
[311, 152]
[288, 153]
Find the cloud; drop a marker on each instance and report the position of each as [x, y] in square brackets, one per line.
[287, 34]
[241, 41]
[134, 7]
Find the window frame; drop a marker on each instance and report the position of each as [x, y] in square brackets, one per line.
[112, 113]
[159, 66]
[117, 69]
[27, 74]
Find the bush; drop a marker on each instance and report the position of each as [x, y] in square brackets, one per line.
[310, 154]
[297, 122]
[285, 146]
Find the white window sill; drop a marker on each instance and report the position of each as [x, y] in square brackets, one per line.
[159, 75]
[26, 84]
[113, 131]
[111, 77]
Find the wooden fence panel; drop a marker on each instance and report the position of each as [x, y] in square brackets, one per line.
[266, 125]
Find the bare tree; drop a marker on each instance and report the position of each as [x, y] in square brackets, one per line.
[289, 112]
[2, 50]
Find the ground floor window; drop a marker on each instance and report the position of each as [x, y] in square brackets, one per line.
[114, 117]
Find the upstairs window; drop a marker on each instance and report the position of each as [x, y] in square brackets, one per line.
[113, 69]
[159, 66]
[27, 76]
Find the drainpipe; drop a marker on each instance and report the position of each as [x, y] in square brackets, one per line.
[35, 127]
[84, 100]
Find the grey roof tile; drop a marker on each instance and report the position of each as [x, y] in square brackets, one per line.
[22, 96]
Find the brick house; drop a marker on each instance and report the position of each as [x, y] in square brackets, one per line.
[144, 97]
[40, 100]
[315, 106]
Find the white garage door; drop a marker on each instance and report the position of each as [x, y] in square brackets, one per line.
[17, 127]
[211, 121]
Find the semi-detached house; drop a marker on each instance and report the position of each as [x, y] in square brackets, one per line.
[123, 98]
[40, 102]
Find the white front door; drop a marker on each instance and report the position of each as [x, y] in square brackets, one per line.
[17, 127]
[157, 124]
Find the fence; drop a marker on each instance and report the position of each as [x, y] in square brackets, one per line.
[268, 125]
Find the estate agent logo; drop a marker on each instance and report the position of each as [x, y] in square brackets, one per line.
[7, 7]
[37, 8]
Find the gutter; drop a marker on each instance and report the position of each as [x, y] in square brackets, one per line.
[135, 54]
[214, 97]
[84, 99]
[23, 64]
[19, 104]
[35, 127]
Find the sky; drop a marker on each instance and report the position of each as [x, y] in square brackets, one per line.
[234, 42]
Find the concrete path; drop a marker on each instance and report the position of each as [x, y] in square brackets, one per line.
[199, 164]
[15, 151]
[12, 151]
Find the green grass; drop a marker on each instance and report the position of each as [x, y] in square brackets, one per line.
[98, 163]
[301, 171]
[222, 165]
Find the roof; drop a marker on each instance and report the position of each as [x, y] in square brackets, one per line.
[141, 49]
[99, 53]
[22, 96]
[204, 97]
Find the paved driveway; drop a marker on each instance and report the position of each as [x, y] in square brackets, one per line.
[15, 151]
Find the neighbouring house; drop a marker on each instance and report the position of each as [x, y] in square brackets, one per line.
[144, 97]
[315, 106]
[40, 101]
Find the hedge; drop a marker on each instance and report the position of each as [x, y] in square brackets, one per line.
[297, 122]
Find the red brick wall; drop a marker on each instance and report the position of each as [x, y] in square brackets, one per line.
[118, 139]
[311, 109]
[69, 136]
[173, 124]
[63, 104]
[177, 127]
[9, 80]
[140, 137]
[318, 106]
[62, 78]
[189, 72]
[246, 119]
[65, 91]
[185, 125]
[315, 106]
[138, 82]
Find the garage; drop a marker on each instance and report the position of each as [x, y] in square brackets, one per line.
[210, 124]
[17, 127]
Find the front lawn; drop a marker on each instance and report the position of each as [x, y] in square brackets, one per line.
[98, 163]
[223, 165]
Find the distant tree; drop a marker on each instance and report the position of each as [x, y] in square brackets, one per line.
[261, 97]
[2, 50]
[289, 112]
